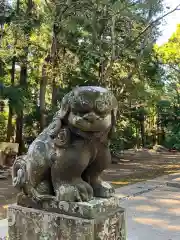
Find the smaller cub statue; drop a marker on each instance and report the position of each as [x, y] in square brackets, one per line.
[65, 161]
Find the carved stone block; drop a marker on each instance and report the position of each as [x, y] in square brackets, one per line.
[92, 221]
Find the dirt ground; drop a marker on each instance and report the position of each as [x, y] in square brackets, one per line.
[140, 167]
[133, 168]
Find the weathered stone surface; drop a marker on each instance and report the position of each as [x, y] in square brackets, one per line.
[87, 210]
[66, 160]
[31, 224]
[106, 221]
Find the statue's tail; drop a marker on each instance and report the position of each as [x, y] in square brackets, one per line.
[19, 172]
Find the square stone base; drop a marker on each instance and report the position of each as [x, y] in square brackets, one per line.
[33, 224]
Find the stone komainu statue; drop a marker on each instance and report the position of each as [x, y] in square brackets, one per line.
[65, 161]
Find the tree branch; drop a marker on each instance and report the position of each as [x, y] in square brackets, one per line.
[174, 68]
[170, 65]
[152, 23]
[48, 5]
[127, 6]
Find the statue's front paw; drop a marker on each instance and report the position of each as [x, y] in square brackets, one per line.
[78, 191]
[102, 189]
[67, 192]
[85, 190]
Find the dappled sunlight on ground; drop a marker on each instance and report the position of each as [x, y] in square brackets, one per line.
[174, 227]
[141, 198]
[151, 221]
[158, 223]
[167, 202]
[147, 208]
[120, 183]
[172, 166]
[142, 169]
[154, 214]
[175, 211]
[170, 172]
[168, 194]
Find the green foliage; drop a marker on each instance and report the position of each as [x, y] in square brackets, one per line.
[170, 52]
[3, 121]
[169, 108]
[56, 46]
[173, 140]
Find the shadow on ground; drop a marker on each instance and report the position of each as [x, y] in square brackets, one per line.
[154, 215]
[140, 169]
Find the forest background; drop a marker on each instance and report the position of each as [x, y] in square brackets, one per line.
[47, 47]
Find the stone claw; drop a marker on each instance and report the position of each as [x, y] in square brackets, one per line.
[103, 189]
[41, 197]
[85, 191]
[78, 191]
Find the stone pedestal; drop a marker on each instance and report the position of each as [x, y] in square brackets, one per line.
[99, 219]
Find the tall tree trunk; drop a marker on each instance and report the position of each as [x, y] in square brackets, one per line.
[142, 130]
[158, 129]
[54, 92]
[19, 131]
[1, 68]
[23, 79]
[163, 135]
[1, 60]
[9, 125]
[10, 115]
[137, 135]
[43, 84]
[19, 119]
